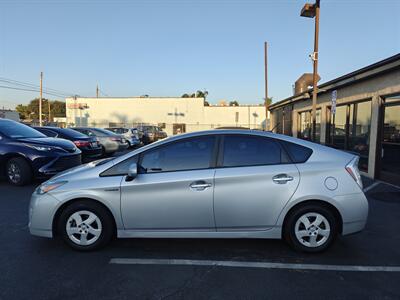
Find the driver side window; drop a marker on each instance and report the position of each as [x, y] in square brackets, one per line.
[120, 169]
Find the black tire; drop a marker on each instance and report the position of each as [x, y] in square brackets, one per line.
[103, 152]
[18, 171]
[290, 224]
[107, 224]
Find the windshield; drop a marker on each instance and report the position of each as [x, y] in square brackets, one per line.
[17, 130]
[102, 132]
[73, 133]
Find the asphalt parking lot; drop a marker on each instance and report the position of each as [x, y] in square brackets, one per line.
[38, 268]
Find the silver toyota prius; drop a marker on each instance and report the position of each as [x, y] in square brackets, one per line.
[209, 184]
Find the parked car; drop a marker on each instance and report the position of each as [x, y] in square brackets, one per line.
[210, 184]
[89, 145]
[151, 133]
[109, 141]
[130, 134]
[25, 153]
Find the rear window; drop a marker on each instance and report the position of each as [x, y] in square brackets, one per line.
[297, 153]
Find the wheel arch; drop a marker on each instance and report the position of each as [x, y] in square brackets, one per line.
[326, 204]
[59, 211]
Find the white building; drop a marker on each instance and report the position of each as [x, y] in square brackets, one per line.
[173, 114]
[9, 114]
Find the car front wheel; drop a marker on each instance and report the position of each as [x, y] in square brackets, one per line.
[86, 225]
[311, 228]
[18, 171]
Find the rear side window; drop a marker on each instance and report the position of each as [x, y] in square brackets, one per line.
[297, 153]
[240, 151]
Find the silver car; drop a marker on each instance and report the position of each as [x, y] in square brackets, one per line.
[211, 184]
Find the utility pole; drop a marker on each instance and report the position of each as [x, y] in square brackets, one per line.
[48, 102]
[97, 91]
[266, 83]
[40, 99]
[315, 72]
[312, 11]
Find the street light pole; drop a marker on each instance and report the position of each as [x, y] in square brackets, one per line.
[266, 84]
[315, 72]
[312, 11]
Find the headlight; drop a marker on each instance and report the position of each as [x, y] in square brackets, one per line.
[41, 148]
[49, 186]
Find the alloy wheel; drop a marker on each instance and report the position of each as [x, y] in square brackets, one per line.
[14, 173]
[84, 228]
[312, 229]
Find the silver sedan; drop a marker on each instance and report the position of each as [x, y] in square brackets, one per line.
[211, 184]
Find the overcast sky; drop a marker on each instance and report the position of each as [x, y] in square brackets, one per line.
[171, 47]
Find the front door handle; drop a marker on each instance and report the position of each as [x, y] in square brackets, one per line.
[282, 178]
[200, 185]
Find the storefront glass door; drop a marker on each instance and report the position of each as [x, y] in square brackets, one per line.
[390, 161]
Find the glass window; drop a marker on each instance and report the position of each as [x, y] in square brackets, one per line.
[250, 151]
[17, 130]
[47, 132]
[359, 128]
[120, 168]
[350, 130]
[298, 153]
[305, 124]
[189, 154]
[338, 127]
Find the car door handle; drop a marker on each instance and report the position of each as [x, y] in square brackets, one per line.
[200, 185]
[282, 178]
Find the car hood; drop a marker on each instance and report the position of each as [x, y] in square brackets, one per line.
[51, 142]
[82, 170]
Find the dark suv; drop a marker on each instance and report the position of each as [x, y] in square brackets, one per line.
[26, 153]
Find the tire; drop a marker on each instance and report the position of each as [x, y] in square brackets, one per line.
[103, 152]
[96, 228]
[18, 171]
[321, 232]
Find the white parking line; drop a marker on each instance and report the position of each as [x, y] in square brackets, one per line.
[250, 264]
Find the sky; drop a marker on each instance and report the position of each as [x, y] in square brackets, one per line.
[170, 47]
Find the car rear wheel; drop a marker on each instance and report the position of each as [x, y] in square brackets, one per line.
[86, 226]
[18, 171]
[311, 228]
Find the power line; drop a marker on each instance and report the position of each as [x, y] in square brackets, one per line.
[29, 90]
[48, 90]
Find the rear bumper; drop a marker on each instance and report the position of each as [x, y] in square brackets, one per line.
[354, 211]
[91, 153]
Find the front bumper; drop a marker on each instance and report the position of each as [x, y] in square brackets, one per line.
[59, 163]
[42, 209]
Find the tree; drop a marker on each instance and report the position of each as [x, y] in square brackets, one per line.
[234, 103]
[185, 96]
[31, 111]
[267, 101]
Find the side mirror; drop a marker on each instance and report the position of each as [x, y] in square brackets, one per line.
[132, 172]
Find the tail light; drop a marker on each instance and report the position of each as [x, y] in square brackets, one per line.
[81, 143]
[352, 169]
[115, 139]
